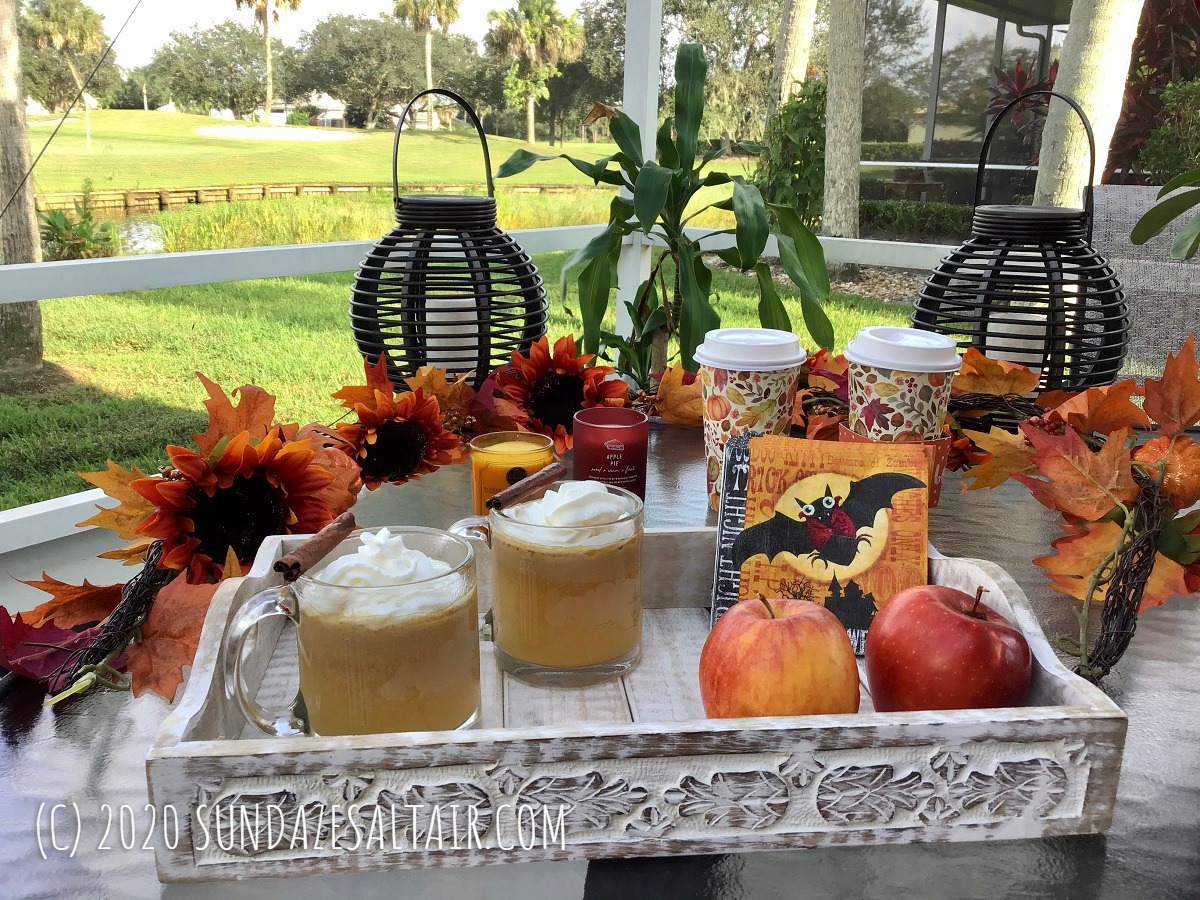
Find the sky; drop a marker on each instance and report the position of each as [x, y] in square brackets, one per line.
[154, 21]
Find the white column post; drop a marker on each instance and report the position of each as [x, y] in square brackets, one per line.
[643, 41]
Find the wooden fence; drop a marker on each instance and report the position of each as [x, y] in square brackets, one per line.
[119, 204]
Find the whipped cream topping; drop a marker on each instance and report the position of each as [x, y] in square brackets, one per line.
[578, 513]
[356, 584]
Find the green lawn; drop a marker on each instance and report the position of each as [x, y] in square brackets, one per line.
[129, 360]
[132, 149]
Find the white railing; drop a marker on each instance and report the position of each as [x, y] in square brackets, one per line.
[40, 522]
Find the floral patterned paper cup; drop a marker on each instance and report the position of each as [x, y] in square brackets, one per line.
[899, 381]
[748, 381]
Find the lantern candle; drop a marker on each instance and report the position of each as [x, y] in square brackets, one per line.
[451, 334]
[503, 458]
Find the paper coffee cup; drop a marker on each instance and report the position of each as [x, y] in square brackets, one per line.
[748, 380]
[899, 380]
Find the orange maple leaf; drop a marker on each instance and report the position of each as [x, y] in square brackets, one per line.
[1181, 474]
[1086, 548]
[1008, 455]
[131, 506]
[72, 604]
[171, 633]
[1101, 409]
[678, 403]
[455, 398]
[377, 380]
[254, 413]
[1082, 484]
[1173, 401]
[982, 375]
[824, 427]
[827, 373]
[329, 452]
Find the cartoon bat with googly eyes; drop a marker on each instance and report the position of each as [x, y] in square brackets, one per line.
[827, 530]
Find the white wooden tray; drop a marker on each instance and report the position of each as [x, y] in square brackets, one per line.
[629, 768]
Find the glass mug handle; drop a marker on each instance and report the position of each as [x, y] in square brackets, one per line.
[476, 527]
[277, 601]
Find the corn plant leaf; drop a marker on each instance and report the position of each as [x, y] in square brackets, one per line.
[691, 69]
[1183, 179]
[628, 136]
[697, 317]
[668, 156]
[751, 217]
[811, 300]
[650, 193]
[771, 311]
[1163, 214]
[1188, 241]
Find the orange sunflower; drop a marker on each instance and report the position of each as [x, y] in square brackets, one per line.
[233, 499]
[547, 390]
[399, 437]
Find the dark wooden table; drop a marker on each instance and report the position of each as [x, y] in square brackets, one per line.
[92, 754]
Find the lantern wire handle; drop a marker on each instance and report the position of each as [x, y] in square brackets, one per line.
[466, 108]
[1087, 127]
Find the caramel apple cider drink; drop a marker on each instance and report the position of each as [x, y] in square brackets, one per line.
[566, 581]
[388, 637]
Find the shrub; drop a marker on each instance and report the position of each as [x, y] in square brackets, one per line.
[892, 151]
[298, 117]
[78, 236]
[1174, 146]
[913, 220]
[791, 170]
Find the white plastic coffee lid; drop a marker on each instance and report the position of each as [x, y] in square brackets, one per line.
[752, 349]
[905, 349]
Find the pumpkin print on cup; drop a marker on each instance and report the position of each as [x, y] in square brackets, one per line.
[736, 402]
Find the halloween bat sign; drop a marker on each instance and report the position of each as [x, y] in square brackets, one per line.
[841, 524]
[828, 529]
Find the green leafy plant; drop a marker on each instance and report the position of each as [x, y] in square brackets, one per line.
[1170, 209]
[657, 199]
[914, 220]
[1174, 146]
[791, 169]
[78, 236]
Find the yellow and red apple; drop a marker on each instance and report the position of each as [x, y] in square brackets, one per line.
[777, 658]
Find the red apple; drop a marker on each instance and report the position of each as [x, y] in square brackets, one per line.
[777, 658]
[933, 647]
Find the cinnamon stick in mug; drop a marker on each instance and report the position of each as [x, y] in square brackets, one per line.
[528, 485]
[293, 565]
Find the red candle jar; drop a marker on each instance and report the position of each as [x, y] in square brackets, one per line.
[610, 446]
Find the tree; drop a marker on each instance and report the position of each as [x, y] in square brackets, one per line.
[1095, 60]
[216, 68]
[739, 40]
[792, 50]
[369, 64]
[263, 16]
[540, 37]
[73, 30]
[420, 16]
[843, 132]
[598, 74]
[20, 323]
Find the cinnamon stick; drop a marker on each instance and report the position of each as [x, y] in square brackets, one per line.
[293, 565]
[527, 485]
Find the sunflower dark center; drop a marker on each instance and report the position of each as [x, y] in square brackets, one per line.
[555, 399]
[238, 516]
[398, 449]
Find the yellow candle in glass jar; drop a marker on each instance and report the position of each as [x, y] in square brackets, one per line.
[504, 458]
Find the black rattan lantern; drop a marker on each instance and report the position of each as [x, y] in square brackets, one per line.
[1029, 287]
[446, 287]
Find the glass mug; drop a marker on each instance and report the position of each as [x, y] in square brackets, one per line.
[400, 657]
[566, 599]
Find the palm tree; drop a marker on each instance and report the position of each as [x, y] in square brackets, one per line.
[843, 131]
[540, 37]
[20, 323]
[420, 15]
[71, 28]
[264, 16]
